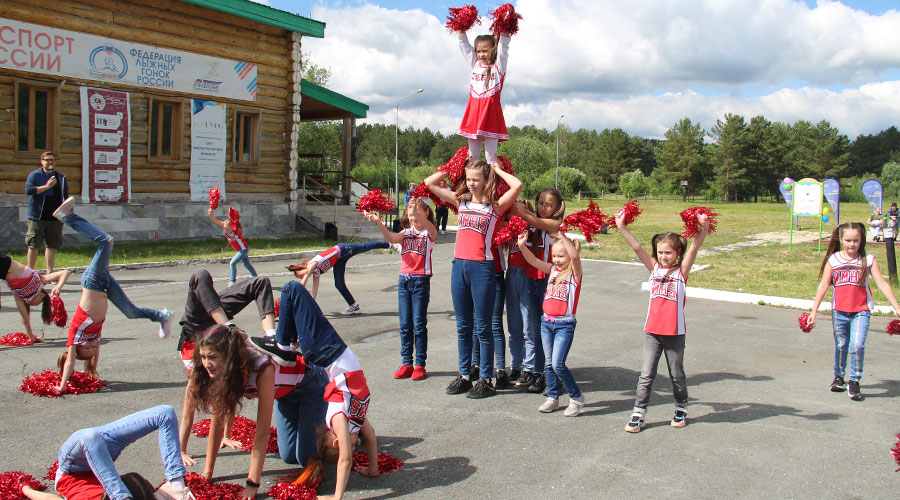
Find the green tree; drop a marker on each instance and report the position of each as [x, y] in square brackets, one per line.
[616, 153]
[681, 155]
[633, 183]
[530, 158]
[729, 154]
[571, 181]
[818, 151]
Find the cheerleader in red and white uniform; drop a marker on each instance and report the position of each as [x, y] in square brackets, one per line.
[414, 288]
[558, 321]
[234, 233]
[848, 267]
[483, 119]
[664, 329]
[29, 289]
[472, 282]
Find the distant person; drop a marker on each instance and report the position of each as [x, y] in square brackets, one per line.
[893, 213]
[442, 212]
[848, 268]
[875, 221]
[46, 189]
[29, 289]
[409, 192]
[234, 233]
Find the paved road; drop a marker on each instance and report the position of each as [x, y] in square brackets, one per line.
[762, 423]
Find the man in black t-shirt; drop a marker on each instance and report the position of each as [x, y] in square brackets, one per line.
[47, 189]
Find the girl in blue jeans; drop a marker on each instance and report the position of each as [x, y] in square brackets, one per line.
[558, 321]
[847, 266]
[472, 282]
[234, 233]
[87, 459]
[98, 288]
[414, 287]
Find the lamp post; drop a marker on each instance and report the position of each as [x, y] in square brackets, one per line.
[557, 150]
[397, 159]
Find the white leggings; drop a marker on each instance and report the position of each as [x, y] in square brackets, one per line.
[490, 149]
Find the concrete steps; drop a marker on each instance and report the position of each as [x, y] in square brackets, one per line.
[349, 222]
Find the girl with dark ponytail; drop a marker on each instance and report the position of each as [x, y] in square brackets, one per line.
[29, 289]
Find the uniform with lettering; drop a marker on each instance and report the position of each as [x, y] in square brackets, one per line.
[558, 332]
[483, 119]
[325, 260]
[28, 285]
[849, 295]
[665, 314]
[413, 295]
[476, 223]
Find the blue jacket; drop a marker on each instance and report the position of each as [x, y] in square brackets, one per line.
[37, 179]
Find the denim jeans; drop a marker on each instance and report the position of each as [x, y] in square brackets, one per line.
[531, 307]
[516, 310]
[654, 346]
[473, 290]
[299, 414]
[340, 267]
[96, 276]
[499, 336]
[95, 449]
[556, 337]
[241, 256]
[413, 294]
[850, 330]
[301, 320]
[202, 298]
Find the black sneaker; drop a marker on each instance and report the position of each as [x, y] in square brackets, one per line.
[502, 379]
[267, 345]
[459, 385]
[482, 389]
[838, 385]
[474, 372]
[538, 384]
[524, 380]
[855, 395]
[514, 375]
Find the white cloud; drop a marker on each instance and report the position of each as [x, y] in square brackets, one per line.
[640, 66]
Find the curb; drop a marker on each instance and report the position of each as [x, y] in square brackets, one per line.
[191, 262]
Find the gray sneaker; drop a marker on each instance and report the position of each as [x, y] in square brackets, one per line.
[549, 406]
[66, 208]
[165, 326]
[574, 408]
[354, 309]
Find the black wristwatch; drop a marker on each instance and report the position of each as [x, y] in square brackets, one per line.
[251, 483]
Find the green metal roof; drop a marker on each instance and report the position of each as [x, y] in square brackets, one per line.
[265, 15]
[332, 98]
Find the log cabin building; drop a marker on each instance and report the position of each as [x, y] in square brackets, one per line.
[145, 101]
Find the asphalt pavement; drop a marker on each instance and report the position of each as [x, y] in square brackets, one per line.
[761, 421]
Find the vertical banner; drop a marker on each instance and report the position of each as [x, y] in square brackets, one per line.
[788, 194]
[833, 195]
[208, 142]
[105, 146]
[873, 192]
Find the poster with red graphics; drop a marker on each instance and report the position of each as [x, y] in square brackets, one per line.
[105, 146]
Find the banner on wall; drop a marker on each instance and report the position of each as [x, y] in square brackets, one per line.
[833, 195]
[208, 142]
[52, 51]
[873, 191]
[105, 146]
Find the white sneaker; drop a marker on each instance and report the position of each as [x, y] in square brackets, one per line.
[443, 232]
[354, 309]
[397, 248]
[549, 406]
[165, 326]
[574, 408]
[168, 492]
[65, 209]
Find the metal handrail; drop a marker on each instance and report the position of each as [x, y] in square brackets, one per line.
[316, 198]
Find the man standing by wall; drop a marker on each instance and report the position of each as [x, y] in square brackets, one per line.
[46, 188]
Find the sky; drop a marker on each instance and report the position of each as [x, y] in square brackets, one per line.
[640, 66]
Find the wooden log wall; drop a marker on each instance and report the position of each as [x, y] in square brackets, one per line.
[171, 24]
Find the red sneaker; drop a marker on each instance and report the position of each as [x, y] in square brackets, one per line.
[418, 373]
[403, 372]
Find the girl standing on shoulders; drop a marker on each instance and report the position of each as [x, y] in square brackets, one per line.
[234, 233]
[558, 321]
[664, 329]
[414, 289]
[848, 267]
[472, 280]
[28, 287]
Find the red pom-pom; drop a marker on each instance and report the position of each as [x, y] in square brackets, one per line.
[802, 321]
[895, 451]
[461, 19]
[235, 218]
[456, 167]
[589, 221]
[58, 312]
[51, 471]
[893, 327]
[214, 197]
[422, 191]
[374, 201]
[689, 216]
[512, 229]
[506, 21]
[18, 339]
[277, 308]
[290, 491]
[11, 484]
[631, 210]
[205, 490]
[386, 463]
[243, 429]
[506, 166]
[45, 383]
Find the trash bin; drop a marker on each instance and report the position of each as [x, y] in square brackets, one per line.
[331, 232]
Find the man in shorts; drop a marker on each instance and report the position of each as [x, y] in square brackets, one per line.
[47, 189]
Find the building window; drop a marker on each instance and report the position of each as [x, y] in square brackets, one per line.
[246, 138]
[165, 130]
[36, 110]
